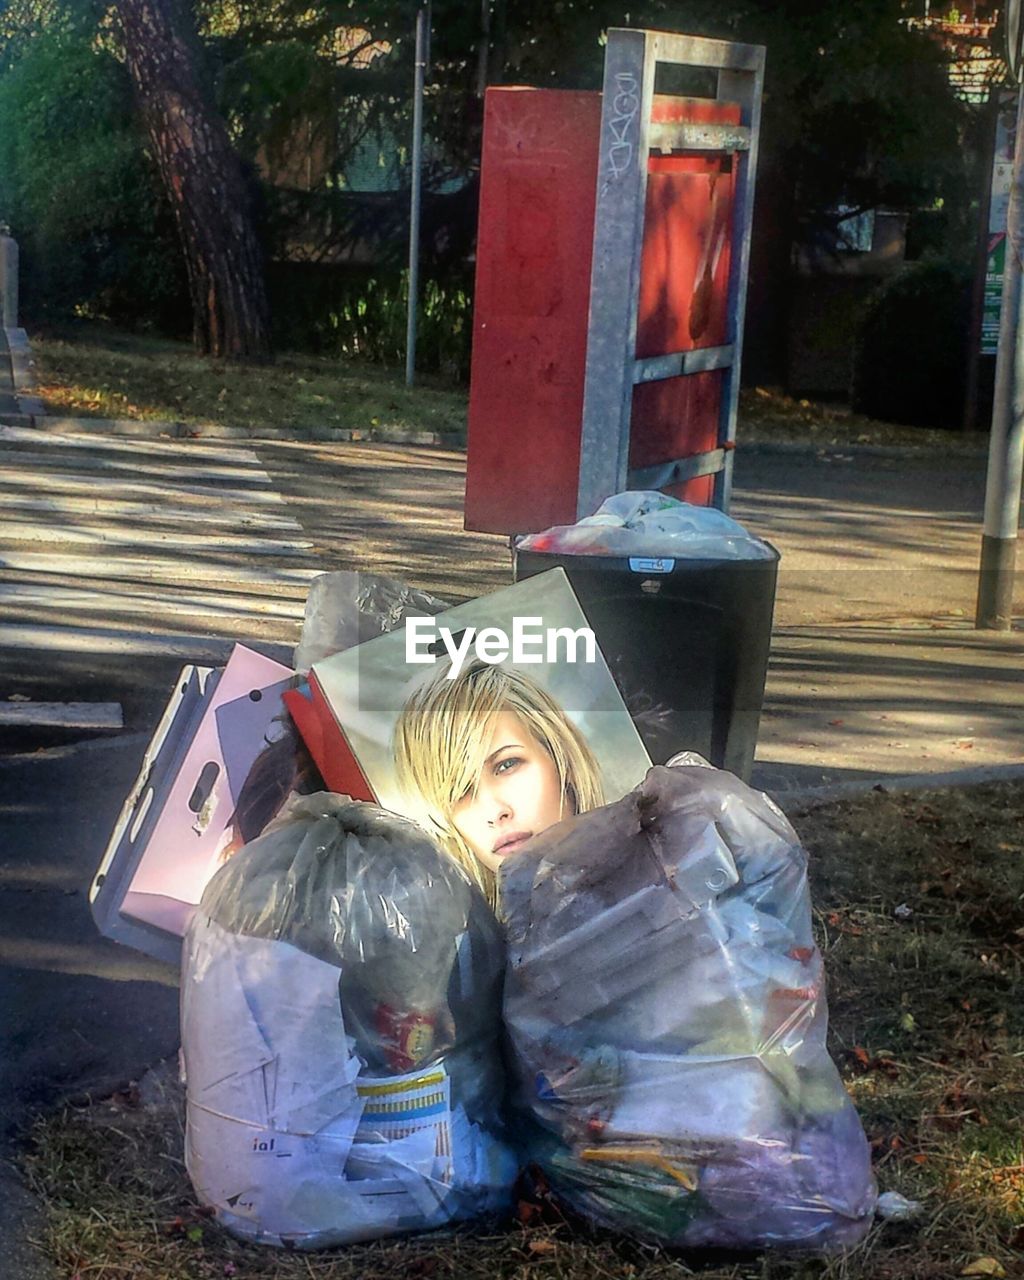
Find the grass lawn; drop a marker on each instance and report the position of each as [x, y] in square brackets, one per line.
[927, 1025]
[103, 373]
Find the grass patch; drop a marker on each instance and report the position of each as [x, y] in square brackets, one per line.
[94, 371]
[919, 903]
[101, 373]
[767, 415]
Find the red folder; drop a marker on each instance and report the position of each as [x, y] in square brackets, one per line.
[326, 742]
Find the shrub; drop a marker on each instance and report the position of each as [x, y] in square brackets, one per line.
[361, 312]
[78, 187]
[910, 359]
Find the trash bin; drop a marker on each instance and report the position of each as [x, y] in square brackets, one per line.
[687, 642]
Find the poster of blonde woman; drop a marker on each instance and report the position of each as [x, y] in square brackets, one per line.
[488, 723]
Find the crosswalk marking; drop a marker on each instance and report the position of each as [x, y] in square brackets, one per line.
[158, 529]
[174, 547]
[101, 597]
[128, 568]
[118, 509]
[150, 447]
[210, 473]
[28, 481]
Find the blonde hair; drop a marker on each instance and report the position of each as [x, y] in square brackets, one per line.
[441, 739]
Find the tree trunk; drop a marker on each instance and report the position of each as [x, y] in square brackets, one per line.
[203, 177]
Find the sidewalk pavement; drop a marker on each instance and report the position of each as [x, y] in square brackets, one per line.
[120, 560]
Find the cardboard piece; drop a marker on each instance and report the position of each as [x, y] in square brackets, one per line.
[176, 824]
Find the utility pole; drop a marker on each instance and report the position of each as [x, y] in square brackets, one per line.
[422, 57]
[994, 611]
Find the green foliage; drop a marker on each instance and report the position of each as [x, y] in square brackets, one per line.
[362, 313]
[76, 184]
[857, 112]
[911, 355]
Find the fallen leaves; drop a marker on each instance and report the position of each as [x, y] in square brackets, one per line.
[984, 1267]
[865, 1062]
[836, 921]
[529, 1212]
[542, 1247]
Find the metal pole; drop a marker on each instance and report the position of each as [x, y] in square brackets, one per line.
[970, 412]
[1006, 445]
[422, 54]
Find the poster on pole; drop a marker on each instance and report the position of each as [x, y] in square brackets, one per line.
[995, 265]
[1002, 181]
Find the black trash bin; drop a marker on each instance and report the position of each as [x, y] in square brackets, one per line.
[686, 640]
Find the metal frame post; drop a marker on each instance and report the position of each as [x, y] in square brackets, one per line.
[627, 97]
[422, 57]
[746, 89]
[626, 139]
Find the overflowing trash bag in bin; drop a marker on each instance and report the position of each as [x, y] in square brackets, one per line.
[666, 1011]
[645, 522]
[680, 598]
[340, 1011]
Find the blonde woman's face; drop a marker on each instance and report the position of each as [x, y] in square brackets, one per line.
[518, 794]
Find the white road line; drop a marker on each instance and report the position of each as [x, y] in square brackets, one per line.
[22, 480]
[189, 648]
[109, 507]
[124, 546]
[62, 715]
[149, 447]
[110, 599]
[141, 467]
[90, 534]
[117, 568]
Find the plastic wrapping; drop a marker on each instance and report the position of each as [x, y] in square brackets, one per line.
[340, 1011]
[665, 1006]
[648, 523]
[345, 608]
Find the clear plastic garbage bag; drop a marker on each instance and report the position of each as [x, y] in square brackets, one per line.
[648, 523]
[665, 1005]
[344, 608]
[340, 1012]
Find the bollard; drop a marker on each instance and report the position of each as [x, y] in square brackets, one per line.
[8, 281]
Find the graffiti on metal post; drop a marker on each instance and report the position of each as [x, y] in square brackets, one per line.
[625, 106]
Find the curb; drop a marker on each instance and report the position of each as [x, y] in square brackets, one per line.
[786, 448]
[22, 375]
[155, 428]
[34, 416]
[804, 798]
[21, 359]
